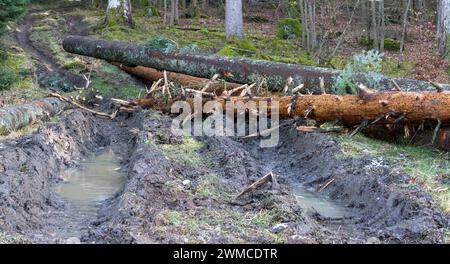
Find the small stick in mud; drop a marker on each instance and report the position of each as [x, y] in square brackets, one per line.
[257, 184]
[327, 183]
[70, 101]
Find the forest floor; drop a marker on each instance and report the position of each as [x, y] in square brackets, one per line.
[183, 189]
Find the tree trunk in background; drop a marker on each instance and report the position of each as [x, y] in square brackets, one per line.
[368, 21]
[112, 4]
[382, 25]
[374, 25]
[193, 8]
[117, 9]
[443, 26]
[234, 24]
[174, 14]
[302, 17]
[306, 24]
[405, 24]
[165, 12]
[127, 12]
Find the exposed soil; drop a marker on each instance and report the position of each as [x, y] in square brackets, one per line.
[386, 208]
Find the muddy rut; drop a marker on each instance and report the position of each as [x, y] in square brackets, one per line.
[48, 67]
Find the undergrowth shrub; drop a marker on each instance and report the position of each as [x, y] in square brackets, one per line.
[7, 78]
[289, 28]
[368, 63]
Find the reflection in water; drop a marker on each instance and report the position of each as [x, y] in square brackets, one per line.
[315, 201]
[98, 179]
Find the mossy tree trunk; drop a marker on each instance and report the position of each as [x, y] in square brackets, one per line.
[237, 70]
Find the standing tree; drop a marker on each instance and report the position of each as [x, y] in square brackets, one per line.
[234, 22]
[404, 31]
[174, 13]
[117, 10]
[443, 26]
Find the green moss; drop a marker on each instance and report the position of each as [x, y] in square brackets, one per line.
[289, 28]
[338, 62]
[428, 164]
[392, 44]
[243, 44]
[74, 64]
[228, 51]
[391, 67]
[389, 44]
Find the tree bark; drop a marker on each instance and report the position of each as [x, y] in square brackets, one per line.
[119, 9]
[154, 75]
[443, 26]
[351, 110]
[237, 70]
[15, 117]
[234, 22]
[382, 25]
[405, 24]
[374, 25]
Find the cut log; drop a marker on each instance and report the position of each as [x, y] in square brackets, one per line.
[15, 117]
[351, 110]
[154, 75]
[236, 70]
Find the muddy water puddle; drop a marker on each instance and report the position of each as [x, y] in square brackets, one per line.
[85, 188]
[314, 201]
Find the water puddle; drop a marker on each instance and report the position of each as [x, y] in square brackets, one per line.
[98, 179]
[320, 203]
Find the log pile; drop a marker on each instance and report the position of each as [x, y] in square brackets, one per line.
[423, 102]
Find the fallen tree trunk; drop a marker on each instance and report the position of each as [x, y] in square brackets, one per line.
[15, 117]
[237, 70]
[154, 75]
[370, 107]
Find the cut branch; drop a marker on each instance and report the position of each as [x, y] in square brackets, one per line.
[72, 102]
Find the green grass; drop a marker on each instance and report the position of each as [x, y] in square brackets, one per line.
[233, 223]
[186, 153]
[429, 165]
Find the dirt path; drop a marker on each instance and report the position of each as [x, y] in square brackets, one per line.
[47, 65]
